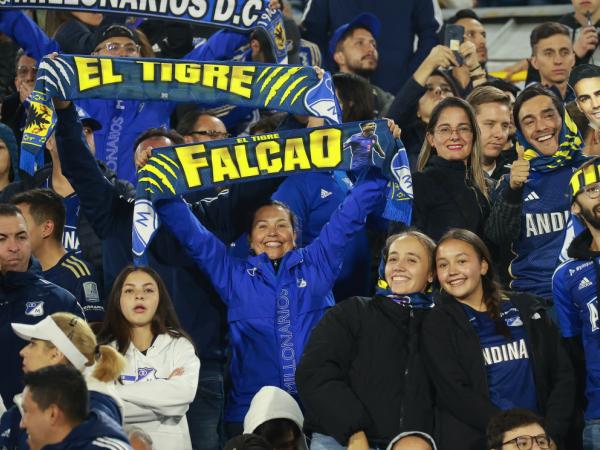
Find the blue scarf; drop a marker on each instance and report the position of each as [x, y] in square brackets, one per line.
[418, 300]
[569, 151]
[294, 89]
[172, 171]
[239, 15]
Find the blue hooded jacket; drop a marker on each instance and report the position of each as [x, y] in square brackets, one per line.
[272, 312]
[25, 297]
[12, 436]
[97, 432]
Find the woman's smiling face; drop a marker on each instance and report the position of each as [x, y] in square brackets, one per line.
[452, 135]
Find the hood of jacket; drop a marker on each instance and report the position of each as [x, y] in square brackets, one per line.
[580, 246]
[107, 389]
[272, 402]
[97, 431]
[15, 280]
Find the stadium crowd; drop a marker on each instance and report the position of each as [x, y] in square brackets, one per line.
[285, 312]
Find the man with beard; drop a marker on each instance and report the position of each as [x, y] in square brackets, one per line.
[575, 291]
[353, 47]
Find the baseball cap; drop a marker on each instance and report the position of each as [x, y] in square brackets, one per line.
[364, 20]
[47, 330]
[116, 30]
[88, 120]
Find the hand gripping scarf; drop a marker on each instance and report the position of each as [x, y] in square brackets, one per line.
[173, 171]
[294, 89]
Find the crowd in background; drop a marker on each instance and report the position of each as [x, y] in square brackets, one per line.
[286, 313]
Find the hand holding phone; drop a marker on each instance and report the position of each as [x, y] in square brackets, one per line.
[454, 35]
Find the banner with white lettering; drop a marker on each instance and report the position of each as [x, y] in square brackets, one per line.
[235, 14]
[295, 89]
[353, 146]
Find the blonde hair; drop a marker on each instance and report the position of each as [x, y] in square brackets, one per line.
[109, 362]
[474, 163]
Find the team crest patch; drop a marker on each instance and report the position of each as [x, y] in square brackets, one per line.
[90, 289]
[34, 309]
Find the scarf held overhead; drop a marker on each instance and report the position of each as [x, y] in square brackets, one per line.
[294, 89]
[173, 171]
[234, 14]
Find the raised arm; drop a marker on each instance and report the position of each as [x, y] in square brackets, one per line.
[25, 32]
[207, 251]
[327, 252]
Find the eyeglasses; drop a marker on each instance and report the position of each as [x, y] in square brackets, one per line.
[592, 191]
[23, 71]
[446, 132]
[212, 134]
[526, 442]
[113, 47]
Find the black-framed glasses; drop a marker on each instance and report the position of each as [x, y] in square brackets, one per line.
[525, 442]
[212, 134]
[23, 71]
[592, 191]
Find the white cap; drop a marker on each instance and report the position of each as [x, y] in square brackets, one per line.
[47, 330]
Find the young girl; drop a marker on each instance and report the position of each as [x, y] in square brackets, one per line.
[161, 375]
[450, 187]
[64, 338]
[374, 339]
[487, 351]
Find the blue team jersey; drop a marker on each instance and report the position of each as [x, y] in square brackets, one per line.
[545, 213]
[507, 362]
[362, 150]
[77, 276]
[574, 289]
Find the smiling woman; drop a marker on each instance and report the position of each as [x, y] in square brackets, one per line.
[486, 350]
[277, 294]
[375, 339]
[450, 187]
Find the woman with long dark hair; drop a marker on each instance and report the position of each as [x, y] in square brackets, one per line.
[360, 379]
[160, 378]
[450, 187]
[487, 350]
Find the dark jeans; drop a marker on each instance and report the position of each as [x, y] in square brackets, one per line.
[205, 416]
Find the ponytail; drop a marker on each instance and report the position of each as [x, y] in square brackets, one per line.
[109, 364]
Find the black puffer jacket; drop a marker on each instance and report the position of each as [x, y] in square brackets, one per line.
[361, 370]
[445, 197]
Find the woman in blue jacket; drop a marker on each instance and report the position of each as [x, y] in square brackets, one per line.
[276, 295]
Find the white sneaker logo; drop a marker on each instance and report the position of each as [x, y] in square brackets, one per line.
[584, 283]
[532, 196]
[325, 194]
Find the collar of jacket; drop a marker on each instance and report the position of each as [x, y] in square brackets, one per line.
[439, 162]
[289, 260]
[12, 280]
[580, 247]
